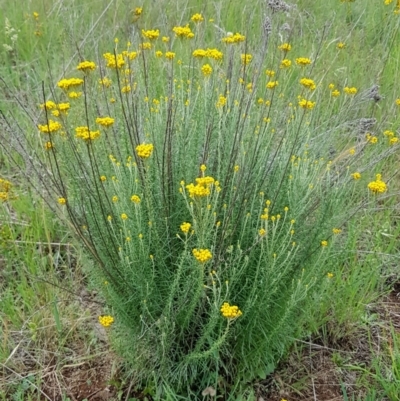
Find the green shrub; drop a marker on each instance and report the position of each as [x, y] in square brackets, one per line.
[211, 181]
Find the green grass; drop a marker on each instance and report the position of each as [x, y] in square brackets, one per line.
[44, 269]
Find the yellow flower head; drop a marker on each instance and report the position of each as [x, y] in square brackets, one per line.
[144, 150]
[106, 82]
[185, 227]
[151, 34]
[285, 63]
[169, 55]
[74, 95]
[303, 61]
[233, 38]
[230, 311]
[308, 83]
[350, 90]
[62, 201]
[114, 60]
[52, 126]
[85, 134]
[135, 199]
[86, 66]
[206, 70]
[197, 18]
[106, 320]
[105, 121]
[202, 255]
[377, 186]
[306, 104]
[272, 84]
[246, 58]
[285, 47]
[183, 31]
[49, 105]
[221, 101]
[66, 84]
[48, 145]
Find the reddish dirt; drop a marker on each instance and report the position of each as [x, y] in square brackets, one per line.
[90, 381]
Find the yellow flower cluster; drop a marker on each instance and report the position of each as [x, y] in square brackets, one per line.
[356, 176]
[63, 107]
[135, 199]
[185, 227]
[151, 34]
[303, 61]
[74, 95]
[350, 91]
[114, 61]
[105, 121]
[211, 53]
[285, 63]
[206, 70]
[246, 58]
[308, 83]
[183, 31]
[52, 126]
[169, 55]
[62, 201]
[234, 38]
[202, 187]
[285, 47]
[324, 243]
[197, 18]
[230, 311]
[271, 84]
[371, 138]
[49, 105]
[144, 150]
[66, 84]
[306, 104]
[48, 145]
[86, 66]
[377, 186]
[106, 321]
[106, 82]
[5, 187]
[56, 108]
[145, 46]
[130, 55]
[221, 101]
[202, 255]
[85, 134]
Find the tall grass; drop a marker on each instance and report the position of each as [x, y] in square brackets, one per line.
[222, 176]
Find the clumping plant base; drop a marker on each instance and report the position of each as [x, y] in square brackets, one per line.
[191, 167]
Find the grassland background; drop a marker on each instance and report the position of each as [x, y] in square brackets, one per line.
[48, 309]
